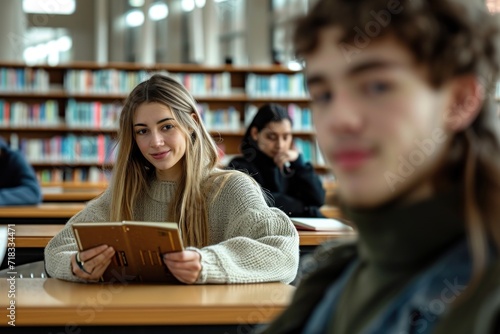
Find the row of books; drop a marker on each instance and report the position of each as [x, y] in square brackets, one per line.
[107, 81]
[301, 117]
[69, 149]
[90, 174]
[275, 85]
[310, 151]
[220, 119]
[113, 81]
[201, 84]
[20, 114]
[92, 115]
[23, 80]
[122, 82]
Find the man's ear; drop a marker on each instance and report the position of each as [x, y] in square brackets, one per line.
[467, 98]
[254, 133]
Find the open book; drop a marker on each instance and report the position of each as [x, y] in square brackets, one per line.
[138, 248]
[320, 224]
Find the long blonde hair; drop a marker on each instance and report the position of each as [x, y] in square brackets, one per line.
[133, 173]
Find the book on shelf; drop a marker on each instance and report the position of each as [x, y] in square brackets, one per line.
[138, 246]
[320, 224]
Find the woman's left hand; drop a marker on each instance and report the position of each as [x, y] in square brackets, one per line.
[288, 156]
[185, 265]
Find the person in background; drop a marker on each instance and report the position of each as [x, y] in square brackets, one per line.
[270, 158]
[166, 171]
[18, 182]
[407, 121]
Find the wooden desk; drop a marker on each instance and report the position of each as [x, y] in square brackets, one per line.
[36, 236]
[330, 211]
[54, 302]
[44, 210]
[71, 192]
[39, 235]
[314, 238]
[71, 196]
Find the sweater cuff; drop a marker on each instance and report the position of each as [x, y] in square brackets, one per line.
[210, 268]
[68, 275]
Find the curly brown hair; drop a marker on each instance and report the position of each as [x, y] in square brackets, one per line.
[451, 38]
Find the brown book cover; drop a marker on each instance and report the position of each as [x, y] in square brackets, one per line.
[138, 248]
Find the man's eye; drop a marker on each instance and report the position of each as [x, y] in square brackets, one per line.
[377, 87]
[321, 98]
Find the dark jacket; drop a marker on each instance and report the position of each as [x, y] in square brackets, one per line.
[425, 240]
[298, 193]
[479, 314]
[18, 182]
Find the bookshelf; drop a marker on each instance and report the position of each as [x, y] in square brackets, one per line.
[64, 118]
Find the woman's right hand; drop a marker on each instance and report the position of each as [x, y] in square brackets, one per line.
[93, 262]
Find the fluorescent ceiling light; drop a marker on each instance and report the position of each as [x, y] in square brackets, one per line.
[187, 5]
[136, 3]
[134, 18]
[64, 7]
[64, 43]
[158, 11]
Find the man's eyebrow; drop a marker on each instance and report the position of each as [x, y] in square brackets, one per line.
[314, 79]
[319, 78]
[160, 121]
[372, 65]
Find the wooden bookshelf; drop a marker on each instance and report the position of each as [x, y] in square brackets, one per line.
[61, 91]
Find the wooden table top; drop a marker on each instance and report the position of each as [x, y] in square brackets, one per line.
[67, 210]
[73, 192]
[71, 196]
[49, 301]
[38, 235]
[43, 210]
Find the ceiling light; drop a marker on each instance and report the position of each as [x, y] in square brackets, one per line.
[158, 11]
[134, 18]
[187, 5]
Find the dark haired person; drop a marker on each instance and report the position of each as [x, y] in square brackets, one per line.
[407, 122]
[269, 157]
[18, 182]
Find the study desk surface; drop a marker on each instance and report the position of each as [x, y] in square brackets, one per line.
[44, 210]
[49, 301]
[38, 235]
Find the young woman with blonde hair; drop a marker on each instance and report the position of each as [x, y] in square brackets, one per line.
[166, 170]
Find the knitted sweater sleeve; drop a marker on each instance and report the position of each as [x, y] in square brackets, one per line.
[62, 246]
[251, 241]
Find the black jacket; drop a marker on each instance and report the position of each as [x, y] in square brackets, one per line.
[299, 193]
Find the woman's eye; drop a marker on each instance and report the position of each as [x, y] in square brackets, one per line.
[141, 131]
[168, 127]
[271, 137]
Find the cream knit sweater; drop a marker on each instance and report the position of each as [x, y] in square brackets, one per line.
[248, 241]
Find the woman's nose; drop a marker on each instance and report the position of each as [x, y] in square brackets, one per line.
[156, 140]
